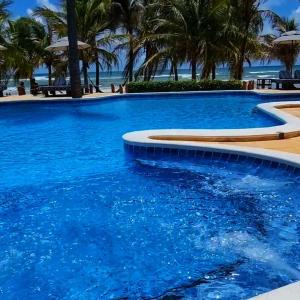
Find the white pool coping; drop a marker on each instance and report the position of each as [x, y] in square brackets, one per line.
[288, 292]
[291, 124]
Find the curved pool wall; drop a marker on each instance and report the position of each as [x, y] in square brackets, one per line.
[212, 153]
[81, 218]
[194, 139]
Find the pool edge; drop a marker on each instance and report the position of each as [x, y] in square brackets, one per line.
[291, 124]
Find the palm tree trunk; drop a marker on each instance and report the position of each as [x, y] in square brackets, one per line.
[146, 70]
[213, 72]
[131, 58]
[239, 68]
[85, 75]
[73, 51]
[194, 69]
[238, 75]
[97, 72]
[130, 66]
[49, 74]
[175, 70]
[205, 72]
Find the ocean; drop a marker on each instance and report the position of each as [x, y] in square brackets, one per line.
[116, 77]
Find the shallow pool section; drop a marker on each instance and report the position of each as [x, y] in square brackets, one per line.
[80, 218]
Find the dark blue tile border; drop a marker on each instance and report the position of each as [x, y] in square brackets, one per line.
[200, 155]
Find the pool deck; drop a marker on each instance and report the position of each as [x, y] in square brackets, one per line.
[291, 145]
[26, 98]
[289, 292]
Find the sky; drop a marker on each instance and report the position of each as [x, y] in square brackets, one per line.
[23, 7]
[282, 7]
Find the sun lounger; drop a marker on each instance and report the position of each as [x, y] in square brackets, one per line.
[286, 80]
[297, 74]
[52, 89]
[59, 85]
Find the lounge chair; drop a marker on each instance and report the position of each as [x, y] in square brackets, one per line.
[286, 80]
[59, 85]
[297, 74]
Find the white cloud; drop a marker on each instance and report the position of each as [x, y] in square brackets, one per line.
[42, 3]
[296, 14]
[47, 3]
[29, 12]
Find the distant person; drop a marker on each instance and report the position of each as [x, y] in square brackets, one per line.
[60, 81]
[21, 89]
[34, 87]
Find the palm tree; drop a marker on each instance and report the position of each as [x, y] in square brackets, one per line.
[6, 67]
[287, 54]
[48, 57]
[26, 46]
[147, 42]
[73, 50]
[247, 21]
[92, 22]
[127, 14]
[181, 24]
[93, 25]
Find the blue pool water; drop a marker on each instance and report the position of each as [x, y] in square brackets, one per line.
[81, 219]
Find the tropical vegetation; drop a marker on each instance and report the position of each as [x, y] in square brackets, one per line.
[183, 85]
[286, 54]
[145, 37]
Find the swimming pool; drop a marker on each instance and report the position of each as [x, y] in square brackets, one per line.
[82, 219]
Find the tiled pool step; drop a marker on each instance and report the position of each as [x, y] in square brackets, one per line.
[211, 156]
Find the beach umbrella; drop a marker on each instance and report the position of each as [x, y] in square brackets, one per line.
[289, 38]
[63, 45]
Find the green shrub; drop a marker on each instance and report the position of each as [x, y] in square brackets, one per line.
[184, 85]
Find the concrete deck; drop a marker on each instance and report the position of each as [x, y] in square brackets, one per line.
[29, 97]
[289, 292]
[16, 98]
[291, 145]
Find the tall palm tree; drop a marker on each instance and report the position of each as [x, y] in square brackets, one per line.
[93, 27]
[147, 43]
[73, 50]
[247, 19]
[49, 57]
[92, 22]
[6, 66]
[26, 46]
[127, 15]
[182, 23]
